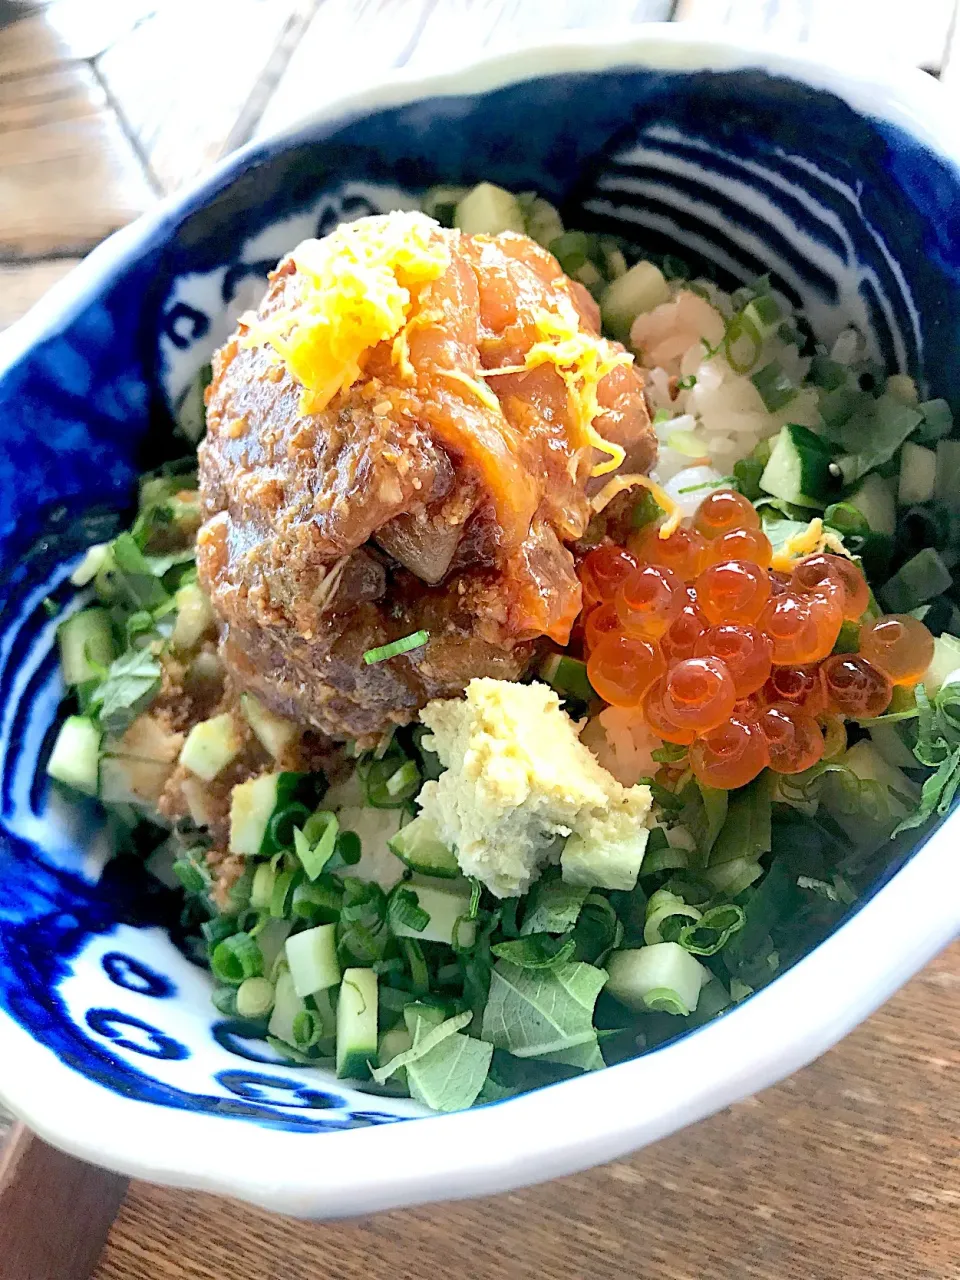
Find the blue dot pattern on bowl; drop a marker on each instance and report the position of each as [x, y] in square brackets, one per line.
[738, 172]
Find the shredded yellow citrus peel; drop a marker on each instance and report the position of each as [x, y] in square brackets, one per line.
[583, 361]
[808, 542]
[356, 291]
[619, 484]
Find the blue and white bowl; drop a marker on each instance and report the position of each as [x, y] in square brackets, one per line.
[844, 185]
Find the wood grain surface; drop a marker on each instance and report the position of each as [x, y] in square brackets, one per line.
[54, 1211]
[848, 1171]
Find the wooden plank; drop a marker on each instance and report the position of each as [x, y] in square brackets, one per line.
[68, 176]
[915, 33]
[54, 1211]
[21, 285]
[182, 78]
[357, 41]
[849, 1169]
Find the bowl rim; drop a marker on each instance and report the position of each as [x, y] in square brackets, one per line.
[565, 1127]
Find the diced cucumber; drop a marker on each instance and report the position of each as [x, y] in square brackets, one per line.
[357, 1024]
[272, 939]
[429, 1014]
[252, 805]
[86, 645]
[286, 1005]
[74, 760]
[446, 904]
[598, 864]
[945, 664]
[418, 844]
[392, 1043]
[918, 474]
[873, 498]
[195, 618]
[892, 747]
[127, 780]
[441, 203]
[638, 290]
[312, 957]
[919, 580]
[866, 763]
[543, 222]
[947, 487]
[200, 803]
[90, 565]
[210, 746]
[657, 977]
[488, 210]
[274, 732]
[799, 468]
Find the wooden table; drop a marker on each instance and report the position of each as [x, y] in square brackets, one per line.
[849, 1170]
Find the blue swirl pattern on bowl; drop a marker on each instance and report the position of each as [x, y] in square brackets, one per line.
[742, 172]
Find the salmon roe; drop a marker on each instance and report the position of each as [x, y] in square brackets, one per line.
[794, 739]
[621, 668]
[731, 755]
[603, 570]
[699, 694]
[819, 570]
[659, 719]
[743, 650]
[648, 600]
[900, 645]
[734, 591]
[800, 686]
[679, 641]
[855, 687]
[723, 510]
[723, 654]
[682, 552]
[740, 544]
[601, 621]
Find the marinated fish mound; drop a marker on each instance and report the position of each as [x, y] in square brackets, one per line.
[406, 437]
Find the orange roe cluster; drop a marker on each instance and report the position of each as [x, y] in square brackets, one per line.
[721, 654]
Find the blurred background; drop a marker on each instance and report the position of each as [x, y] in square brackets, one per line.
[850, 1169]
[106, 105]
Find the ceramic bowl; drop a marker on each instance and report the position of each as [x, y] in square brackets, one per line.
[842, 184]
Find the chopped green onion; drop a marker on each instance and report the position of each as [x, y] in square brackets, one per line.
[254, 998]
[261, 891]
[383, 789]
[664, 906]
[713, 930]
[314, 843]
[742, 343]
[283, 823]
[404, 909]
[236, 958]
[191, 871]
[307, 1029]
[419, 974]
[669, 753]
[646, 510]
[349, 848]
[687, 383]
[396, 647]
[916, 582]
[281, 898]
[568, 676]
[776, 388]
[826, 374]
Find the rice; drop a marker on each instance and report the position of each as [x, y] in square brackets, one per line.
[708, 413]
